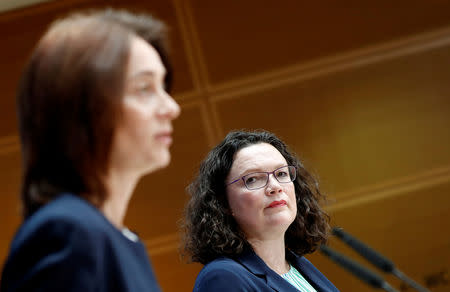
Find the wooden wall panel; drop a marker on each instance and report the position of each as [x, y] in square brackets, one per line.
[9, 203]
[359, 127]
[173, 273]
[241, 38]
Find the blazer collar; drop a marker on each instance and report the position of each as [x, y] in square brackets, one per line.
[252, 262]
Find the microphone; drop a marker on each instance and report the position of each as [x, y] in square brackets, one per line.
[375, 258]
[356, 269]
[371, 255]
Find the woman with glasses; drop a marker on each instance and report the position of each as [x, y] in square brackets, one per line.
[253, 214]
[95, 116]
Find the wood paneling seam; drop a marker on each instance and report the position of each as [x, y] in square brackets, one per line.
[197, 67]
[9, 144]
[333, 64]
[213, 132]
[39, 8]
[393, 188]
[6, 5]
[211, 113]
[187, 44]
[194, 43]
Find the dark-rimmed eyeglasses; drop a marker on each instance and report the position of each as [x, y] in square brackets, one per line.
[257, 180]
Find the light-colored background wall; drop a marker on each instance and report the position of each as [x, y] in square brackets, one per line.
[359, 89]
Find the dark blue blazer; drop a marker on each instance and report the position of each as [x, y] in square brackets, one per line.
[68, 245]
[249, 273]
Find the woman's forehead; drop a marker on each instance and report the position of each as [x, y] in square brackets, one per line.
[257, 156]
[144, 59]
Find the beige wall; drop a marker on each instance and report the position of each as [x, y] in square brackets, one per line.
[359, 89]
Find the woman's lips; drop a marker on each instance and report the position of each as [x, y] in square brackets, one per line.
[165, 138]
[277, 204]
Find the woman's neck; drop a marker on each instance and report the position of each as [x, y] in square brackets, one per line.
[272, 252]
[120, 187]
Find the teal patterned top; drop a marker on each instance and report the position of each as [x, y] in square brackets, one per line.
[297, 280]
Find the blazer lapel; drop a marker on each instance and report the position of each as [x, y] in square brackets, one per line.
[253, 263]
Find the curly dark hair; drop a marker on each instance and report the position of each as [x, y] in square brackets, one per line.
[210, 231]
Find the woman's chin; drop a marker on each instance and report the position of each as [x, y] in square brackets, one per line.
[157, 162]
[281, 222]
[164, 158]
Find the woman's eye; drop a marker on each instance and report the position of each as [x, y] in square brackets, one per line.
[250, 180]
[282, 174]
[145, 90]
[255, 179]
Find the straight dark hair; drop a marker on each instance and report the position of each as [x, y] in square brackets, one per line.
[69, 102]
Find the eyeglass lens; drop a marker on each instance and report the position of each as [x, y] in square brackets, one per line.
[258, 180]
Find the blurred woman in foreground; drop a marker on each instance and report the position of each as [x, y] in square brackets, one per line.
[94, 118]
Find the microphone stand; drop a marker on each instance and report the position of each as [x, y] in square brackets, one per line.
[375, 258]
[364, 274]
[385, 286]
[408, 280]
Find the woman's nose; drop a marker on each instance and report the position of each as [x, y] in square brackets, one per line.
[273, 186]
[169, 107]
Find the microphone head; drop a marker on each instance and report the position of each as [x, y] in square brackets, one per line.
[355, 268]
[337, 231]
[371, 255]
